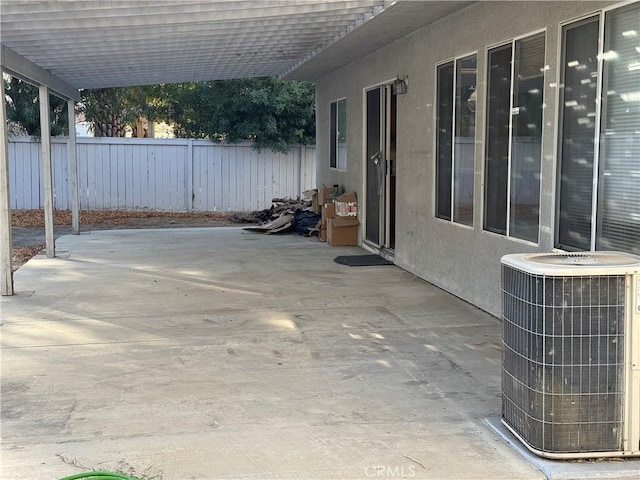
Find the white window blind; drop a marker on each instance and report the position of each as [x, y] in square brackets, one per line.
[599, 197]
[618, 220]
[578, 120]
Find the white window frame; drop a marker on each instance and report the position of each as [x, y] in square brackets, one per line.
[337, 149]
[455, 61]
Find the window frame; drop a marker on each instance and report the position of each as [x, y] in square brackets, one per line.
[485, 130]
[455, 62]
[560, 116]
[336, 160]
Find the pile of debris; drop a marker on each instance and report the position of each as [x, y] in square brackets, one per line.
[285, 215]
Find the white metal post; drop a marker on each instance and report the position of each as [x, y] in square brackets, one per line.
[73, 168]
[47, 177]
[6, 261]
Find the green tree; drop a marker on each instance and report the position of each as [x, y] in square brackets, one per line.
[23, 108]
[273, 113]
[111, 110]
[105, 111]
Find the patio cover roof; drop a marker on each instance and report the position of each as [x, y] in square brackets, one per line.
[115, 43]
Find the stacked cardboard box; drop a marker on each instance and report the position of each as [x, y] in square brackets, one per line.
[328, 212]
[346, 205]
[339, 230]
[323, 197]
[342, 231]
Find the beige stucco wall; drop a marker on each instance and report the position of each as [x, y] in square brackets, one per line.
[462, 260]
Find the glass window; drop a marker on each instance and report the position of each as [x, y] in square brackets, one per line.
[578, 126]
[526, 138]
[444, 135]
[514, 138]
[464, 150]
[497, 139]
[599, 187]
[338, 145]
[618, 210]
[456, 112]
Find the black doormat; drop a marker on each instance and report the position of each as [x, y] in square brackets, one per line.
[362, 260]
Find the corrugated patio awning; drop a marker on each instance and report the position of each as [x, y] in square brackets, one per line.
[110, 43]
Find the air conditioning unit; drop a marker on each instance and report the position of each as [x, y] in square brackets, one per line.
[571, 353]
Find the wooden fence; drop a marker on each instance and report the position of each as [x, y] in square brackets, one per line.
[160, 174]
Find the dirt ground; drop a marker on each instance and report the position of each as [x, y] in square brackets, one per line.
[29, 236]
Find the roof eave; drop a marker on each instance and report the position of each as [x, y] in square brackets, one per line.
[390, 24]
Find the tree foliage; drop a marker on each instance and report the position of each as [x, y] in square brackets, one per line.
[23, 108]
[111, 110]
[273, 113]
[105, 110]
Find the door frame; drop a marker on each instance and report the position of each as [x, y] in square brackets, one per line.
[386, 245]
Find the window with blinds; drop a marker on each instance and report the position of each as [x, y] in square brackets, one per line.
[599, 186]
[513, 137]
[578, 110]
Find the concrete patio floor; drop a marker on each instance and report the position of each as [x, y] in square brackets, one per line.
[217, 353]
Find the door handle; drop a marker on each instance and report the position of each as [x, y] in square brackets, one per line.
[375, 158]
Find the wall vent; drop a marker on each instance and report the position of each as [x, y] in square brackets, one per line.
[571, 353]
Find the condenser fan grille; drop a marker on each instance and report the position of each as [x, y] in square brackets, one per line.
[563, 360]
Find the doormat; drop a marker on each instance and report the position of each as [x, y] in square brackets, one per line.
[362, 260]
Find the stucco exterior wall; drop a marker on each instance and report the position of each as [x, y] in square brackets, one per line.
[464, 261]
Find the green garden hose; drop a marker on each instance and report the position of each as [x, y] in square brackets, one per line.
[98, 475]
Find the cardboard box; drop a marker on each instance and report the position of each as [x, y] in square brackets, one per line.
[328, 211]
[342, 231]
[346, 205]
[322, 234]
[323, 194]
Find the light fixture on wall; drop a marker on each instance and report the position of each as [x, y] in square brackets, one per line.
[400, 85]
